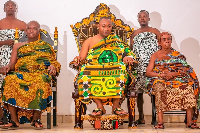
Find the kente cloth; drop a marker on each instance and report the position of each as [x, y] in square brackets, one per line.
[180, 92]
[28, 88]
[5, 50]
[145, 44]
[104, 75]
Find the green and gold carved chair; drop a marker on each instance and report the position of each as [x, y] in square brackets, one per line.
[82, 31]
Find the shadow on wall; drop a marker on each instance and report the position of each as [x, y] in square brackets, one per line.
[64, 95]
[114, 10]
[191, 49]
[156, 21]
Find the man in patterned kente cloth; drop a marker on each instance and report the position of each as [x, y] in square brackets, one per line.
[173, 82]
[27, 91]
[144, 43]
[8, 27]
[104, 75]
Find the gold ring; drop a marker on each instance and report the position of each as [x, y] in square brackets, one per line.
[75, 60]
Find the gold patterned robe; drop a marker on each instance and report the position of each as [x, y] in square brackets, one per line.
[28, 88]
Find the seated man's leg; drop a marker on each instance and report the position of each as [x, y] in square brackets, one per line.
[14, 119]
[100, 108]
[160, 124]
[116, 107]
[1, 116]
[190, 123]
[36, 119]
[189, 116]
[140, 102]
[160, 117]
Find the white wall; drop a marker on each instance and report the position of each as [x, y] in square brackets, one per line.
[180, 17]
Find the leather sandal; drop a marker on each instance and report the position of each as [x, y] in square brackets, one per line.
[38, 123]
[12, 125]
[159, 126]
[140, 121]
[193, 126]
[1, 121]
[96, 111]
[119, 109]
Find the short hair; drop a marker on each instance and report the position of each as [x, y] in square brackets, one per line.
[10, 1]
[33, 21]
[143, 11]
[104, 18]
[162, 34]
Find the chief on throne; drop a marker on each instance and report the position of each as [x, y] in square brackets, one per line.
[104, 75]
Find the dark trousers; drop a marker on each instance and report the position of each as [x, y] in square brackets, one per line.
[140, 102]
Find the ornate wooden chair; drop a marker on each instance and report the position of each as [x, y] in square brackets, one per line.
[82, 31]
[54, 88]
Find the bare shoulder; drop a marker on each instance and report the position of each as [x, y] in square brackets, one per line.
[22, 24]
[136, 32]
[2, 21]
[20, 21]
[154, 56]
[156, 31]
[87, 41]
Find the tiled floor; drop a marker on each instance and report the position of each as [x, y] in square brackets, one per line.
[68, 128]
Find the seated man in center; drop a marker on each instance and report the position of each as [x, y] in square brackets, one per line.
[104, 75]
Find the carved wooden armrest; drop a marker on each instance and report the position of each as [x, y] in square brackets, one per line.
[75, 94]
[73, 66]
[78, 68]
[132, 92]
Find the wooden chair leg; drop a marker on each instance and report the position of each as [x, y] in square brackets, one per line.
[5, 119]
[49, 116]
[54, 108]
[131, 110]
[153, 122]
[78, 112]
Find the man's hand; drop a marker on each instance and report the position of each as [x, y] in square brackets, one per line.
[128, 60]
[9, 42]
[5, 69]
[77, 60]
[168, 75]
[52, 70]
